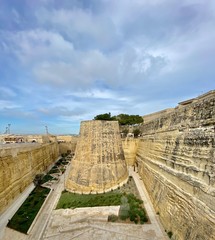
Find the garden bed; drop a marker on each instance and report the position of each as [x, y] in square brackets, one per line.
[131, 207]
[23, 218]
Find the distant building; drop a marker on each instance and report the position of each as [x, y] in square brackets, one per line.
[6, 138]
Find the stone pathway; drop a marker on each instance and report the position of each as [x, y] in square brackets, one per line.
[91, 223]
[154, 219]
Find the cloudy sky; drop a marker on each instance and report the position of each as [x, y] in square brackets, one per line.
[65, 61]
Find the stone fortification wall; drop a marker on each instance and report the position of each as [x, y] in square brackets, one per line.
[176, 160]
[130, 146]
[149, 117]
[99, 163]
[67, 138]
[18, 166]
[67, 146]
[67, 143]
[37, 138]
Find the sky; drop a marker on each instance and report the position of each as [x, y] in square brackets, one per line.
[62, 62]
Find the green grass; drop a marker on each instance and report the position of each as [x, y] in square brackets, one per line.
[130, 206]
[25, 215]
[72, 200]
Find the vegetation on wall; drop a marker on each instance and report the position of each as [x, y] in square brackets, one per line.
[123, 119]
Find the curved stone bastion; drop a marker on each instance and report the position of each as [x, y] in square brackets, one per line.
[99, 164]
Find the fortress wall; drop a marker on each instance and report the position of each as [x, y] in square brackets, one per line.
[19, 165]
[176, 160]
[64, 147]
[69, 144]
[149, 117]
[130, 146]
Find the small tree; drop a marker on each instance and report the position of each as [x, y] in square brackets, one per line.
[125, 131]
[105, 116]
[136, 132]
[38, 179]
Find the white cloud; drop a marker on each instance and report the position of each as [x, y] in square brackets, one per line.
[4, 104]
[38, 44]
[79, 24]
[72, 63]
[6, 93]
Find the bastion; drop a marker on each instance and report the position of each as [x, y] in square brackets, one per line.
[99, 164]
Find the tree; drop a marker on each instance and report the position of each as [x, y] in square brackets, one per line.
[125, 132]
[123, 119]
[38, 179]
[105, 116]
[136, 132]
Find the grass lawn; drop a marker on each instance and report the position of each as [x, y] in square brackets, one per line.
[131, 208]
[73, 200]
[23, 218]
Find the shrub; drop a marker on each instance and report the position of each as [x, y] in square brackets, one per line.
[132, 216]
[112, 218]
[143, 219]
[170, 234]
[130, 206]
[38, 179]
[22, 219]
[136, 220]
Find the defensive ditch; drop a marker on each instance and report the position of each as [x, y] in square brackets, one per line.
[25, 215]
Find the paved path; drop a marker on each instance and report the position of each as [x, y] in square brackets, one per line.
[42, 220]
[148, 205]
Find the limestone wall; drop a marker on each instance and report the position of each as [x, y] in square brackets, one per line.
[18, 166]
[130, 146]
[99, 163]
[149, 117]
[69, 143]
[176, 160]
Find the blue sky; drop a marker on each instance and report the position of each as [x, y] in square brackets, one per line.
[65, 61]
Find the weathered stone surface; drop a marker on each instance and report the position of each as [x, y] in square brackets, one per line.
[67, 143]
[99, 163]
[176, 161]
[18, 167]
[130, 146]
